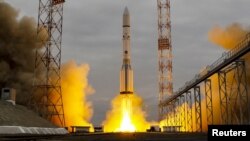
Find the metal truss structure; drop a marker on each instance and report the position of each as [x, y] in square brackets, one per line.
[164, 53]
[47, 95]
[209, 101]
[232, 95]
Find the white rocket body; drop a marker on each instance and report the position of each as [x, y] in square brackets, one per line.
[126, 73]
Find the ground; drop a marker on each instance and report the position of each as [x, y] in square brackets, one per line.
[133, 137]
[20, 116]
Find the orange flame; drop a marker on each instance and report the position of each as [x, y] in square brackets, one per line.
[126, 115]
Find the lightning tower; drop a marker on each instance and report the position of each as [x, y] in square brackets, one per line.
[47, 83]
[164, 53]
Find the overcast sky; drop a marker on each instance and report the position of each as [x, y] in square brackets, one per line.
[92, 33]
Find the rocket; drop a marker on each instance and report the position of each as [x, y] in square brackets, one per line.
[126, 73]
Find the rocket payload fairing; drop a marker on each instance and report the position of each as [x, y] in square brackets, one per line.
[126, 73]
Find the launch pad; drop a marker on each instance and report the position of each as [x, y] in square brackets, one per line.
[154, 136]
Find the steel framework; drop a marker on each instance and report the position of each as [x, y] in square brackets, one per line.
[177, 112]
[47, 83]
[197, 104]
[183, 112]
[189, 111]
[172, 113]
[234, 94]
[242, 92]
[168, 116]
[233, 91]
[209, 101]
[164, 53]
[223, 97]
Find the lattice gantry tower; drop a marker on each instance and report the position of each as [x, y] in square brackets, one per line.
[47, 83]
[164, 53]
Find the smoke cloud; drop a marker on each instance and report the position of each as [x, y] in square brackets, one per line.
[17, 51]
[18, 44]
[75, 88]
[227, 37]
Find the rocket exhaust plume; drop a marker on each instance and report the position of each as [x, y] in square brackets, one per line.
[75, 89]
[126, 114]
[124, 118]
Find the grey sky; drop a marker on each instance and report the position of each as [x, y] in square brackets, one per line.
[92, 33]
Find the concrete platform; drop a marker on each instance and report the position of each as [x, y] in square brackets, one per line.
[17, 115]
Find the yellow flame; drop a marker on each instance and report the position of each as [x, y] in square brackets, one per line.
[126, 124]
[126, 115]
[75, 89]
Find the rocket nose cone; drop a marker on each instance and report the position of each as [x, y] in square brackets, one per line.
[126, 17]
[126, 12]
